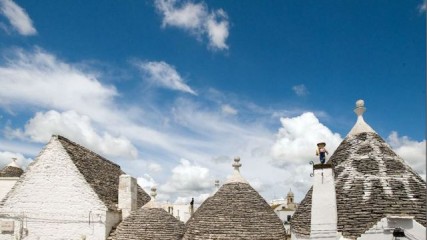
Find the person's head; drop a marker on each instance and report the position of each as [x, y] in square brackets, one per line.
[321, 145]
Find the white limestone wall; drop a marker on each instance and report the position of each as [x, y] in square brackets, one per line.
[128, 191]
[383, 230]
[323, 206]
[54, 200]
[6, 183]
[283, 214]
[113, 219]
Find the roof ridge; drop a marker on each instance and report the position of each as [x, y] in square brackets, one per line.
[85, 148]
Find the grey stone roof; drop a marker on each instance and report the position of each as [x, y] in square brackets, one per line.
[101, 174]
[149, 224]
[10, 171]
[235, 211]
[301, 220]
[371, 182]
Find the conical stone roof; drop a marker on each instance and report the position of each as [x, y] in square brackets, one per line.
[12, 170]
[371, 182]
[235, 211]
[148, 223]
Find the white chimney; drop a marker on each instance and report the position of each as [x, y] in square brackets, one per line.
[127, 194]
[324, 204]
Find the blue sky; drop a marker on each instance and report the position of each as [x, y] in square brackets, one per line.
[172, 90]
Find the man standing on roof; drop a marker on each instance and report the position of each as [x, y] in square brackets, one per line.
[321, 151]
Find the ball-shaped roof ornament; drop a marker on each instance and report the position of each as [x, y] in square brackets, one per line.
[360, 103]
[360, 107]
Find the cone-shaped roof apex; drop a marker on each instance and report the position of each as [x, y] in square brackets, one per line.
[360, 126]
[236, 177]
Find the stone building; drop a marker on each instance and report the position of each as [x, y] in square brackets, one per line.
[9, 175]
[285, 209]
[235, 211]
[365, 191]
[181, 212]
[67, 192]
[149, 222]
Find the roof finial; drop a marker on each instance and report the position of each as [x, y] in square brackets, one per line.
[236, 177]
[14, 163]
[216, 187]
[361, 125]
[153, 192]
[360, 107]
[153, 203]
[237, 164]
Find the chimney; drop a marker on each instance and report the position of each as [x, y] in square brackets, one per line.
[127, 195]
[324, 204]
[192, 206]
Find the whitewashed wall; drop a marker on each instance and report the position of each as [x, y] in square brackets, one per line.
[323, 205]
[6, 183]
[55, 201]
[383, 230]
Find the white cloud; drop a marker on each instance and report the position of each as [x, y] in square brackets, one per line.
[217, 28]
[17, 17]
[229, 110]
[77, 128]
[413, 152]
[188, 177]
[154, 167]
[258, 184]
[196, 18]
[189, 16]
[39, 79]
[300, 90]
[422, 7]
[165, 75]
[221, 159]
[17, 145]
[297, 139]
[146, 182]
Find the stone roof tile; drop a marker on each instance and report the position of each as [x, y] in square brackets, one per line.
[149, 224]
